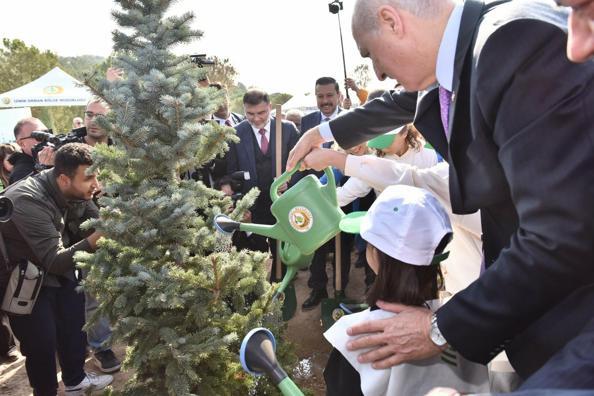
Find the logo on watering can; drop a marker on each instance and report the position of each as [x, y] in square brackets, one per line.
[300, 218]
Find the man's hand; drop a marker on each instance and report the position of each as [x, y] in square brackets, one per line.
[308, 141]
[247, 217]
[282, 188]
[319, 159]
[403, 338]
[349, 83]
[46, 156]
[443, 392]
[93, 238]
[114, 74]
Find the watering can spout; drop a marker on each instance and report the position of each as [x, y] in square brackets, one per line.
[271, 231]
[225, 224]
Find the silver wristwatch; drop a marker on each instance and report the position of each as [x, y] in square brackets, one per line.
[435, 334]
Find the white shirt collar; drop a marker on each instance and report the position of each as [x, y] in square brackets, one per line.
[447, 49]
[332, 116]
[222, 121]
[257, 131]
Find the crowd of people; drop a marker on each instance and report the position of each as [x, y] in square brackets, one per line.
[476, 170]
[49, 206]
[484, 83]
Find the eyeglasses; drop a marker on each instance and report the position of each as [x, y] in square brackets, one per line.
[90, 114]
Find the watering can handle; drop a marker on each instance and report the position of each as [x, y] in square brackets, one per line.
[285, 177]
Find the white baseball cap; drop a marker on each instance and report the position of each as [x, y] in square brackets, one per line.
[407, 223]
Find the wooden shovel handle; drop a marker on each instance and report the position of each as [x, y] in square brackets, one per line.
[279, 170]
[338, 262]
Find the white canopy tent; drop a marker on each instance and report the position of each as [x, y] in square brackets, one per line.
[55, 88]
[304, 102]
[8, 119]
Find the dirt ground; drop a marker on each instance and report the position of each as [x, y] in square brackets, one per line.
[304, 330]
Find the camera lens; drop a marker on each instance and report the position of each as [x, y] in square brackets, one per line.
[5, 209]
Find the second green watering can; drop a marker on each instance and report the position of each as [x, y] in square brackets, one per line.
[307, 214]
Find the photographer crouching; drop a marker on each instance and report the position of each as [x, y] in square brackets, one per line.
[99, 333]
[48, 210]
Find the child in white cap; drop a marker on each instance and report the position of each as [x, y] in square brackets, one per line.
[406, 230]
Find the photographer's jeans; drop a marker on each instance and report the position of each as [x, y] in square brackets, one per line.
[99, 332]
[55, 325]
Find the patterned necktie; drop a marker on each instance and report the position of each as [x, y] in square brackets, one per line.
[445, 100]
[263, 141]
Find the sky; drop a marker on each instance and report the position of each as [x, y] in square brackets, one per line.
[277, 45]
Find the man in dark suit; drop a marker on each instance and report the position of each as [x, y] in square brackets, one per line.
[213, 171]
[507, 99]
[255, 154]
[327, 93]
[580, 43]
[224, 116]
[573, 366]
[327, 97]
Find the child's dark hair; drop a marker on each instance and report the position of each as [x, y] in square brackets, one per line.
[403, 283]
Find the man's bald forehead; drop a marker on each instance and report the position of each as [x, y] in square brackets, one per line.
[365, 12]
[30, 122]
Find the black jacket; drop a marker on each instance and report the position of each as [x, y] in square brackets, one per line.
[241, 155]
[44, 226]
[23, 166]
[521, 151]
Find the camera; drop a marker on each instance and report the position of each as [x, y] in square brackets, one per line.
[335, 7]
[5, 209]
[201, 60]
[48, 139]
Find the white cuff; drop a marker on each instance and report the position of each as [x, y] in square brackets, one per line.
[354, 164]
[326, 132]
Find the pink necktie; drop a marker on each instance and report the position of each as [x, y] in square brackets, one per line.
[445, 100]
[263, 141]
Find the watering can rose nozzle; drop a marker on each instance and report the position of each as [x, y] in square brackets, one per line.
[225, 224]
[258, 356]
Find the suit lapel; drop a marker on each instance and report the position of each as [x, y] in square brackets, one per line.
[246, 136]
[428, 121]
[318, 119]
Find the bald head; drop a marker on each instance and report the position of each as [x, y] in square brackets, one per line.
[365, 15]
[22, 133]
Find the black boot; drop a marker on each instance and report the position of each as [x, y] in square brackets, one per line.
[315, 297]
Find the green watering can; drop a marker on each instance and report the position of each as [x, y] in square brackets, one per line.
[307, 215]
[257, 356]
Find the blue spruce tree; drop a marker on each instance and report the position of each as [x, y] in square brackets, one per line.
[178, 296]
